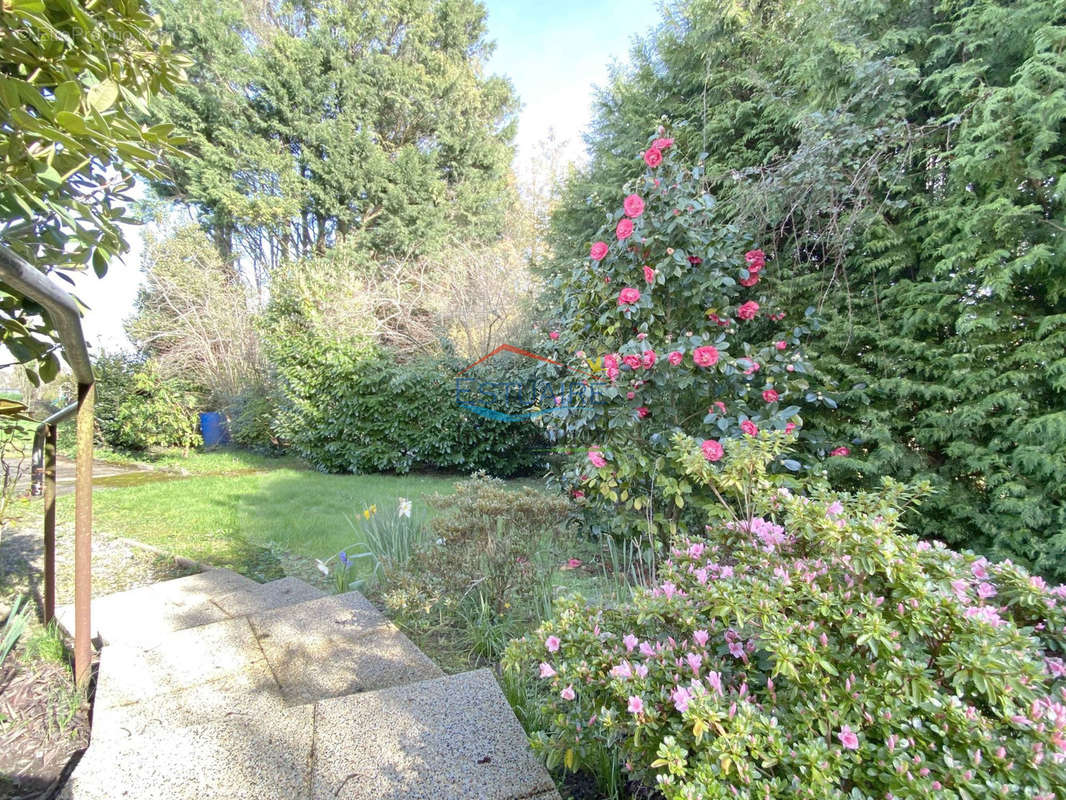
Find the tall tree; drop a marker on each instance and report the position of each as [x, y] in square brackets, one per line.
[316, 119]
[902, 161]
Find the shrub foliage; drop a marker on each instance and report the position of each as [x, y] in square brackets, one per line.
[809, 647]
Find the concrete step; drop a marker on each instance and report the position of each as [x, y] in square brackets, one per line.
[142, 617]
[448, 738]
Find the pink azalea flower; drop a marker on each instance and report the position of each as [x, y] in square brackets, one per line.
[986, 590]
[573, 563]
[633, 205]
[705, 356]
[622, 670]
[636, 704]
[568, 693]
[749, 428]
[701, 637]
[624, 229]
[840, 451]
[675, 357]
[781, 345]
[712, 450]
[848, 739]
[789, 427]
[681, 696]
[598, 251]
[546, 670]
[649, 274]
[748, 310]
[714, 680]
[628, 296]
[553, 335]
[770, 396]
[835, 509]
[630, 641]
[552, 643]
[653, 157]
[694, 661]
[646, 650]
[640, 670]
[596, 459]
[978, 569]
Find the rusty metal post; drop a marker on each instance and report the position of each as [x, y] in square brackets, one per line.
[50, 524]
[83, 524]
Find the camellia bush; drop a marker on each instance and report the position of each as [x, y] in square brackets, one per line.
[667, 313]
[802, 645]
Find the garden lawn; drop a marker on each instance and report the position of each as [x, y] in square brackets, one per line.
[236, 509]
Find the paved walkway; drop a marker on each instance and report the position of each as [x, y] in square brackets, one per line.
[215, 687]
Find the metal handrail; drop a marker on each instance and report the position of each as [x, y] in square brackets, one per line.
[39, 437]
[63, 312]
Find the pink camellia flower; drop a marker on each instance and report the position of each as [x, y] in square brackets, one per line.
[636, 704]
[633, 205]
[553, 335]
[789, 427]
[624, 229]
[596, 459]
[628, 296]
[675, 357]
[662, 144]
[546, 670]
[598, 251]
[610, 360]
[630, 641]
[653, 157]
[749, 281]
[642, 412]
[705, 356]
[630, 395]
[712, 450]
[755, 260]
[632, 361]
[848, 739]
[647, 358]
[695, 260]
[580, 354]
[781, 345]
[649, 275]
[748, 310]
[568, 693]
[720, 406]
[749, 428]
[552, 643]
[770, 396]
[573, 563]
[840, 451]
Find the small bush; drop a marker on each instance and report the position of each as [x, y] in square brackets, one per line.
[485, 546]
[157, 412]
[806, 647]
[250, 418]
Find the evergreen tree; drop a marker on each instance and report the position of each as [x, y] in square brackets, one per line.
[902, 162]
[311, 120]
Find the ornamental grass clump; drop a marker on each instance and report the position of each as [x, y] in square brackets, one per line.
[804, 645]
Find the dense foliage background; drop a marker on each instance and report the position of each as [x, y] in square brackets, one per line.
[901, 163]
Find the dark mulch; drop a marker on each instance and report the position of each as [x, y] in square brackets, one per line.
[44, 727]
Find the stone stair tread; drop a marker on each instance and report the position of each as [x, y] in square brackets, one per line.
[267, 596]
[335, 646]
[246, 694]
[253, 758]
[142, 616]
[449, 738]
[180, 660]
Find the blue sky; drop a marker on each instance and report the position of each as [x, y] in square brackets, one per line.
[555, 53]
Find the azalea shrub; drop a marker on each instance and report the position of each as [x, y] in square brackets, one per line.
[668, 315]
[803, 645]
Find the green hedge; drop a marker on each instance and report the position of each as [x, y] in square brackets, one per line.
[347, 408]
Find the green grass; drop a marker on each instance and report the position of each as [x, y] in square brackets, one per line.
[233, 504]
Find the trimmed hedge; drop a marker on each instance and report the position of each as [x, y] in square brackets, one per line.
[347, 408]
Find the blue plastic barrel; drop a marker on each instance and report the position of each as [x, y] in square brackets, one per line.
[213, 428]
